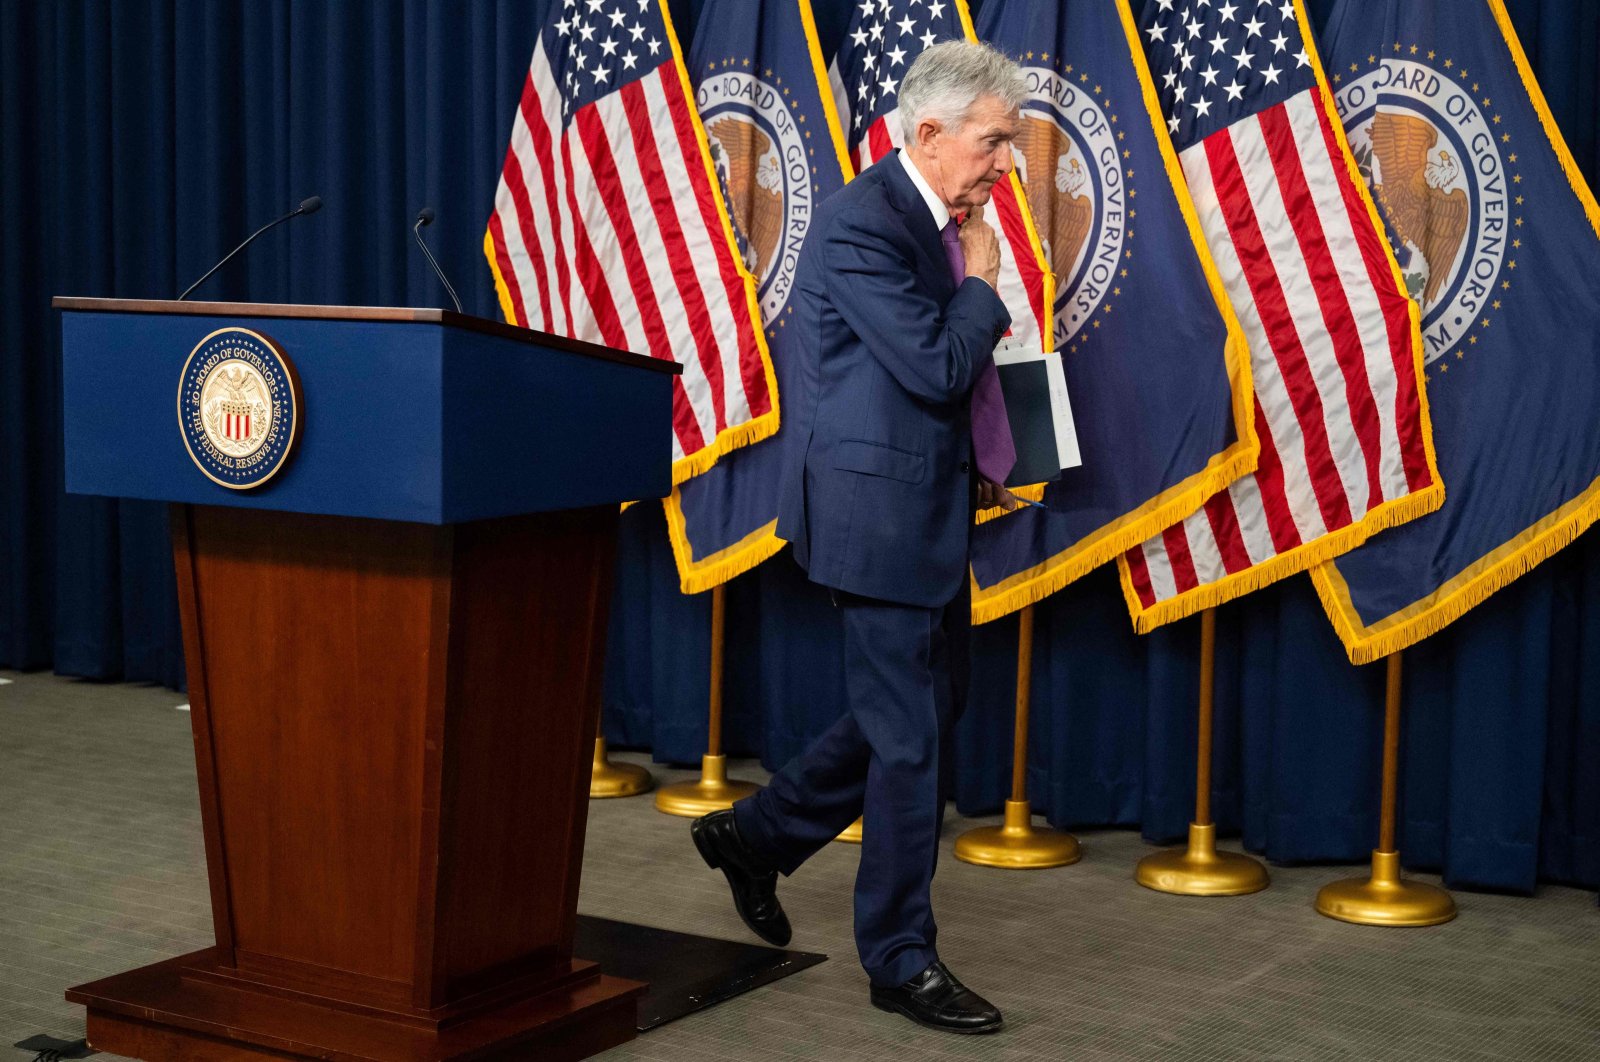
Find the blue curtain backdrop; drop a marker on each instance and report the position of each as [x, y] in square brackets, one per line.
[140, 141]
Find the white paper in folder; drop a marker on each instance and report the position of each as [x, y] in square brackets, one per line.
[1035, 388]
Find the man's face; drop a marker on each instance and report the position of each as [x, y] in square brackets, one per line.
[968, 161]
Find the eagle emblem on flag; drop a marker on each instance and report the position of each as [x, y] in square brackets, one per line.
[1076, 182]
[748, 168]
[1058, 191]
[757, 146]
[1415, 188]
[1435, 161]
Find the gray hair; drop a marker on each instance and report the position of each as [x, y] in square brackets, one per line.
[948, 78]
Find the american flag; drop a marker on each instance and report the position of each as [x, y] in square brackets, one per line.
[608, 224]
[1334, 348]
[883, 40]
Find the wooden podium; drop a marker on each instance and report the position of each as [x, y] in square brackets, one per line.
[394, 649]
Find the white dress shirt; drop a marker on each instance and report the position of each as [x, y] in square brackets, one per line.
[936, 207]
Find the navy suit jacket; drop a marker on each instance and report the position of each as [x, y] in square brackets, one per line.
[877, 493]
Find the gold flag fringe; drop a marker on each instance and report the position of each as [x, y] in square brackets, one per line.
[1389, 514]
[1366, 644]
[697, 575]
[1114, 539]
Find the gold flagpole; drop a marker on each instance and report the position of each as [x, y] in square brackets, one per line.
[1017, 845]
[714, 790]
[1201, 870]
[1385, 898]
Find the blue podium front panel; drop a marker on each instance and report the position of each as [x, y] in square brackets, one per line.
[398, 420]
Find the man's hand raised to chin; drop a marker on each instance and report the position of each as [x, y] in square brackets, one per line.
[981, 248]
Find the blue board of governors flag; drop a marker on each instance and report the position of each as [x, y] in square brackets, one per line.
[1156, 364]
[769, 123]
[1498, 239]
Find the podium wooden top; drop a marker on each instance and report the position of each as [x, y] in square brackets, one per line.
[398, 314]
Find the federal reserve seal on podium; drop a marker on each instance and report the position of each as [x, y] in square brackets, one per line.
[238, 407]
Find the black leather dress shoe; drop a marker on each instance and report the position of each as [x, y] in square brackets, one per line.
[936, 999]
[754, 884]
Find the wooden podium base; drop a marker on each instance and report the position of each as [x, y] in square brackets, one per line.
[393, 732]
[191, 1009]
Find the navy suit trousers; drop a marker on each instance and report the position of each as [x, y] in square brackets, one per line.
[906, 670]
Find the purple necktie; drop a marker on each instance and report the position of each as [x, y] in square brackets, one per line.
[992, 447]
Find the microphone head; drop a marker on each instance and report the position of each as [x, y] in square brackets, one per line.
[312, 205]
[425, 216]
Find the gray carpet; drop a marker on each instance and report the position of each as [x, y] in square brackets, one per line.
[101, 869]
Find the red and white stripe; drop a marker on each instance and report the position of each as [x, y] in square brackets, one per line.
[607, 229]
[883, 138]
[1022, 271]
[841, 106]
[1338, 411]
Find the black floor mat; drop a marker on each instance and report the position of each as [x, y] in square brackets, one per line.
[50, 1049]
[686, 972]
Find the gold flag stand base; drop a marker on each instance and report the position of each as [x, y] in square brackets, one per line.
[1201, 870]
[1018, 845]
[851, 834]
[616, 779]
[1386, 899]
[712, 792]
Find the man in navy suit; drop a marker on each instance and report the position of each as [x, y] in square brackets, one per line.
[890, 442]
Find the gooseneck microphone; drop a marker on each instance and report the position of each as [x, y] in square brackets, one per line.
[425, 217]
[307, 206]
